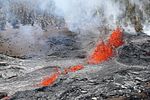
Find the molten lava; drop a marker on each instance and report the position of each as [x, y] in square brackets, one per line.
[50, 80]
[75, 68]
[116, 38]
[101, 53]
[104, 51]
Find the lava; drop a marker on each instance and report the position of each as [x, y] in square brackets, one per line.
[50, 80]
[74, 68]
[102, 52]
[116, 38]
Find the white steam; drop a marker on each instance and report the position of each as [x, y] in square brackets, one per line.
[78, 14]
[81, 14]
[87, 13]
[94, 18]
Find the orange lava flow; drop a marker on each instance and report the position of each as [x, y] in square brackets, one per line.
[73, 69]
[50, 80]
[116, 38]
[104, 51]
[101, 53]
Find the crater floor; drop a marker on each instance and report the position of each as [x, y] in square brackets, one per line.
[126, 76]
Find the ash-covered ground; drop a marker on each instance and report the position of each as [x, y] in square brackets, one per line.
[126, 76]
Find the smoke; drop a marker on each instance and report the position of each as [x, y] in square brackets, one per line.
[80, 14]
[147, 29]
[26, 41]
[142, 9]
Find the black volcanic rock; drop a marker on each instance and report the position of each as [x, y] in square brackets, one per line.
[65, 46]
[121, 79]
[121, 83]
[135, 53]
[2, 95]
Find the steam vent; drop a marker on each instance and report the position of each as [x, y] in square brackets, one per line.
[74, 49]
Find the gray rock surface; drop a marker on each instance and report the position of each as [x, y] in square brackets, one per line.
[117, 79]
[135, 53]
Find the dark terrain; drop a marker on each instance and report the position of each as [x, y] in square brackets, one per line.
[34, 43]
[126, 76]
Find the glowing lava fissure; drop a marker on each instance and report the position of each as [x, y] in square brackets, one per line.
[116, 38]
[102, 52]
[50, 80]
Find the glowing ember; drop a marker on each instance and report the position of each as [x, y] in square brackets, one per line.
[116, 38]
[50, 80]
[101, 53]
[75, 68]
[65, 71]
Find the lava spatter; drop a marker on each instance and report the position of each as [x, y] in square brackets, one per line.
[116, 38]
[49, 80]
[101, 53]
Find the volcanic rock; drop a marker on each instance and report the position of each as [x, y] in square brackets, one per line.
[137, 52]
[120, 79]
[2, 95]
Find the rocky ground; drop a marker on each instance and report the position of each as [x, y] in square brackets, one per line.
[30, 35]
[126, 76]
